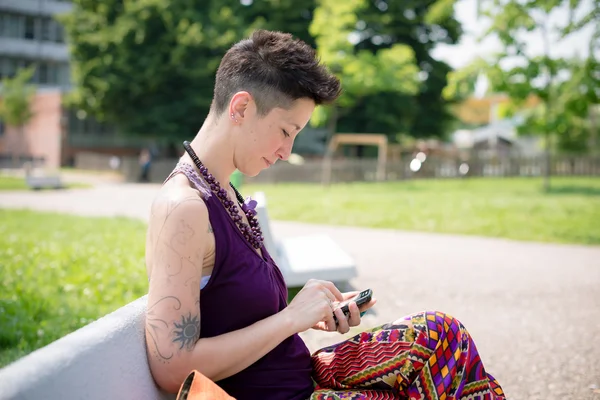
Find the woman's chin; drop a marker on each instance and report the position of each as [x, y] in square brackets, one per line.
[250, 172]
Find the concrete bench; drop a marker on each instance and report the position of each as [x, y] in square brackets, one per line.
[304, 257]
[44, 182]
[37, 178]
[103, 360]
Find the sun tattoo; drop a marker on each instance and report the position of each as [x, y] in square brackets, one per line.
[187, 332]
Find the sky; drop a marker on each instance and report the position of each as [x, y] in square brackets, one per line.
[469, 48]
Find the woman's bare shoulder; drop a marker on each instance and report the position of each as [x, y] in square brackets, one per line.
[176, 193]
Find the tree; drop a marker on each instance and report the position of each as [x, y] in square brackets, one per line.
[148, 66]
[362, 72]
[419, 25]
[459, 93]
[565, 87]
[574, 101]
[16, 95]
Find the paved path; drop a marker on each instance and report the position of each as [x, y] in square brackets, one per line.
[534, 309]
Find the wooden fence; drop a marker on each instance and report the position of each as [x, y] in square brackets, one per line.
[351, 170]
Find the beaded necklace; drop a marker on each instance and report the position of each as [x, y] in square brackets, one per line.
[251, 231]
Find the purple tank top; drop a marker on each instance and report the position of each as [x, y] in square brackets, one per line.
[245, 288]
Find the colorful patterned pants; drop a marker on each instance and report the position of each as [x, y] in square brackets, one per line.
[428, 355]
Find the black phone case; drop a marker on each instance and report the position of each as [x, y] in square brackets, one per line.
[363, 297]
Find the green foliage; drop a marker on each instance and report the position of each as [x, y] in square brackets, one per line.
[148, 66]
[419, 25]
[361, 72]
[461, 82]
[16, 94]
[574, 99]
[509, 208]
[567, 87]
[59, 273]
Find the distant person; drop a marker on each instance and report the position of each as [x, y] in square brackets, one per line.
[217, 302]
[145, 161]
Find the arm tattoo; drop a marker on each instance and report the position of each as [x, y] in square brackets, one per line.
[194, 284]
[156, 326]
[183, 234]
[178, 240]
[185, 333]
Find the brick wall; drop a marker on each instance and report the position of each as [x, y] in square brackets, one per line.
[41, 137]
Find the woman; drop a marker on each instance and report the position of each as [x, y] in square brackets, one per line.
[217, 302]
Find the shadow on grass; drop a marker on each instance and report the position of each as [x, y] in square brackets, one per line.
[574, 189]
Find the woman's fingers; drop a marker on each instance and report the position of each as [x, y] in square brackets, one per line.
[349, 295]
[330, 322]
[343, 326]
[335, 291]
[354, 316]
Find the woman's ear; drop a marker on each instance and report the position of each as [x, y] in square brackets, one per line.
[239, 105]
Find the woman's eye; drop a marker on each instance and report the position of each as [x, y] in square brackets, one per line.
[285, 133]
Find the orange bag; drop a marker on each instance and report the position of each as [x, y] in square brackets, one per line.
[198, 387]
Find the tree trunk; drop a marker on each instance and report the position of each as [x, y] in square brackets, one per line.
[332, 123]
[328, 156]
[20, 146]
[549, 104]
[593, 141]
[547, 162]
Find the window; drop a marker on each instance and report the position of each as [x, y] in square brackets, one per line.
[63, 77]
[47, 27]
[59, 33]
[11, 67]
[53, 74]
[14, 24]
[43, 76]
[46, 72]
[3, 67]
[29, 27]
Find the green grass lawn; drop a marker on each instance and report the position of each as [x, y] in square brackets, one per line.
[12, 183]
[508, 208]
[61, 272]
[16, 183]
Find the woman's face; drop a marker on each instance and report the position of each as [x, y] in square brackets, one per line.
[262, 140]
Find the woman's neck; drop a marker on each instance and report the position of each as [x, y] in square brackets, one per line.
[214, 148]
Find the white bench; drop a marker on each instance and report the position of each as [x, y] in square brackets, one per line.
[304, 257]
[103, 360]
[43, 182]
[38, 179]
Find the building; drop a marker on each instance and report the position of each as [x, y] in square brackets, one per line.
[30, 34]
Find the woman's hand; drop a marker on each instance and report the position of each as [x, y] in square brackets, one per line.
[313, 304]
[353, 319]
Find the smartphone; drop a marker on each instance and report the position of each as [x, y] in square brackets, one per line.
[360, 299]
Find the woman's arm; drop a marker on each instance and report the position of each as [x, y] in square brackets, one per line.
[173, 320]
